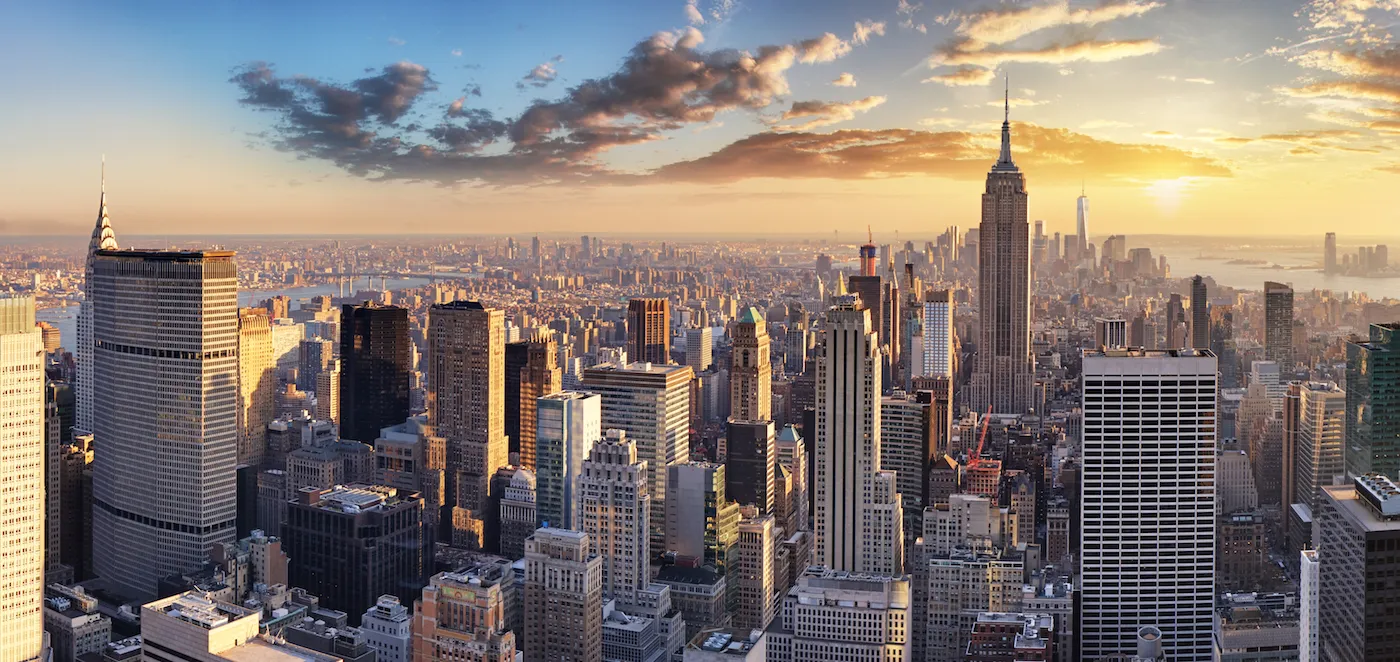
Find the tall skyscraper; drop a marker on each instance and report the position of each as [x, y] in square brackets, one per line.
[1004, 374]
[1157, 531]
[859, 525]
[328, 393]
[751, 372]
[22, 529]
[375, 362]
[568, 425]
[1309, 595]
[532, 371]
[466, 405]
[1278, 324]
[616, 508]
[699, 348]
[1358, 529]
[750, 463]
[1317, 454]
[1200, 314]
[702, 522]
[1081, 214]
[1222, 344]
[651, 403]
[867, 287]
[907, 449]
[462, 616]
[563, 598]
[649, 330]
[257, 381]
[1329, 254]
[164, 488]
[937, 335]
[753, 575]
[1373, 402]
[103, 238]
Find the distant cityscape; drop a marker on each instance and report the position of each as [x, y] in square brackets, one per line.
[997, 443]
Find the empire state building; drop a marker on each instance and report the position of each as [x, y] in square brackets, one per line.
[1004, 374]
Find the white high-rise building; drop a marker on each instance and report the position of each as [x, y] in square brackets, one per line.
[1308, 597]
[24, 500]
[388, 629]
[1148, 495]
[568, 424]
[1081, 225]
[651, 403]
[614, 513]
[859, 525]
[753, 577]
[938, 335]
[699, 348]
[833, 615]
[164, 485]
[103, 238]
[1317, 455]
[1267, 373]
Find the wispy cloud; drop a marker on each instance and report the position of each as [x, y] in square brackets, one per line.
[845, 80]
[1015, 102]
[824, 113]
[542, 75]
[1082, 51]
[395, 41]
[1105, 124]
[1003, 25]
[865, 29]
[963, 77]
[456, 52]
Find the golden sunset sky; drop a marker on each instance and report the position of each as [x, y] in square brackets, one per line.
[1248, 117]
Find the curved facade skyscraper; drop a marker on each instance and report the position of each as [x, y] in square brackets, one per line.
[1004, 374]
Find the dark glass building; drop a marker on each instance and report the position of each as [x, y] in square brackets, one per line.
[376, 361]
[351, 544]
[1373, 403]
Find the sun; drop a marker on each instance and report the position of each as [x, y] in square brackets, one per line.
[1168, 193]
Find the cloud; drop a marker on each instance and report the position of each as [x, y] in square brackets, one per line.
[1082, 51]
[864, 29]
[991, 27]
[542, 75]
[964, 76]
[1104, 124]
[1384, 63]
[1199, 81]
[1323, 139]
[823, 113]
[825, 48]
[1392, 168]
[1015, 102]
[692, 13]
[665, 83]
[395, 41]
[844, 80]
[857, 154]
[456, 52]
[1346, 89]
[939, 121]
[906, 12]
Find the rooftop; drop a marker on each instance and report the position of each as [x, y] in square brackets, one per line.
[1140, 353]
[201, 610]
[1351, 505]
[1380, 493]
[264, 650]
[727, 641]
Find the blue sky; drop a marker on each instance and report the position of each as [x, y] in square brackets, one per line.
[1174, 110]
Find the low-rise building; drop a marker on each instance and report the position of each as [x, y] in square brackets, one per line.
[73, 623]
[727, 645]
[1018, 637]
[840, 615]
[190, 627]
[388, 629]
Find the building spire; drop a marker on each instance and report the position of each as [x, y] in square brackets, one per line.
[103, 236]
[1004, 160]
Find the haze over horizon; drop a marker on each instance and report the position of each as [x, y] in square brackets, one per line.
[703, 117]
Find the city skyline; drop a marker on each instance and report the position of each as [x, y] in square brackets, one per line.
[1229, 131]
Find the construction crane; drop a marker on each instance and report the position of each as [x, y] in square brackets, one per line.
[976, 458]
